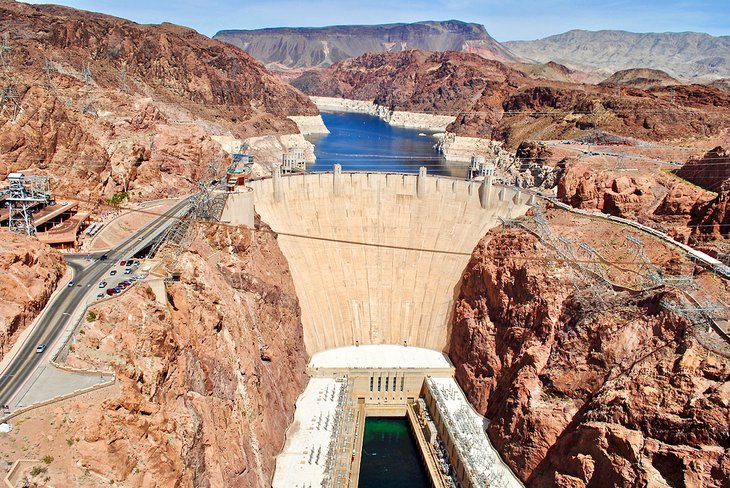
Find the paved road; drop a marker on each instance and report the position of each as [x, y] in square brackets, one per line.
[87, 272]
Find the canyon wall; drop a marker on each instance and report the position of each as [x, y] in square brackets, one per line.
[105, 105]
[209, 378]
[29, 273]
[491, 100]
[584, 390]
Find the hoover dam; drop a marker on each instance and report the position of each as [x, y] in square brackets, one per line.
[376, 260]
[376, 257]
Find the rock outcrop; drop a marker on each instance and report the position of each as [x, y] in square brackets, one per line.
[640, 78]
[583, 391]
[711, 171]
[651, 198]
[210, 368]
[29, 273]
[91, 88]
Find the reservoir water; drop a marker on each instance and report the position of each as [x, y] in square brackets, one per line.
[389, 455]
[361, 142]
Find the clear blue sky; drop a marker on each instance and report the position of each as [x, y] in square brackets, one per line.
[505, 20]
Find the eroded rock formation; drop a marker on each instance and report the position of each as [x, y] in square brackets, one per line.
[652, 198]
[210, 369]
[583, 391]
[95, 92]
[29, 273]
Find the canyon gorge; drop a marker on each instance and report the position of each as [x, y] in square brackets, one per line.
[548, 316]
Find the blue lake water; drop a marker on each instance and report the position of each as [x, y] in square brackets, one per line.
[361, 142]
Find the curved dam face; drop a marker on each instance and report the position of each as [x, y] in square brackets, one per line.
[376, 258]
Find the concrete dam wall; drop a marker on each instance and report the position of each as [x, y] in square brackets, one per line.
[376, 258]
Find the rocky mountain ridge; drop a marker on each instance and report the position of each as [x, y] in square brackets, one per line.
[105, 105]
[610, 391]
[688, 56]
[494, 101]
[307, 47]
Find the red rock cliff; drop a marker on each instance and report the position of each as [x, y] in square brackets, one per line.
[209, 378]
[29, 273]
[105, 105]
[582, 392]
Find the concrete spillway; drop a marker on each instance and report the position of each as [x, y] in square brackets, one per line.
[376, 258]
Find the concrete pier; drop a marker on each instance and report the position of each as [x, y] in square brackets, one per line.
[337, 180]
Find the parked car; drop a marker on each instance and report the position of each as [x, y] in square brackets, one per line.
[71, 283]
[40, 348]
[113, 272]
[99, 296]
[122, 263]
[117, 289]
[128, 271]
[102, 284]
[110, 291]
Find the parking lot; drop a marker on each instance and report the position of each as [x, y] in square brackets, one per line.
[119, 278]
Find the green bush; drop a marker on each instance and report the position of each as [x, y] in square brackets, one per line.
[91, 316]
[36, 470]
[118, 198]
[47, 459]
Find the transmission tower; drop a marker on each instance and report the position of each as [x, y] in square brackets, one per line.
[620, 164]
[205, 205]
[9, 99]
[123, 78]
[25, 192]
[700, 314]
[651, 274]
[88, 80]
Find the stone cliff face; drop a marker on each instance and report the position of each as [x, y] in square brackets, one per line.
[651, 198]
[288, 47]
[709, 172]
[106, 105]
[29, 273]
[210, 372]
[491, 100]
[584, 391]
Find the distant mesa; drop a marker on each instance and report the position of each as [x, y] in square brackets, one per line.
[308, 47]
[644, 78]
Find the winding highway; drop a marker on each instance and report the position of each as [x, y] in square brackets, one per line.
[87, 272]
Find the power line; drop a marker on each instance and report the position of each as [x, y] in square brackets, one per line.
[508, 252]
